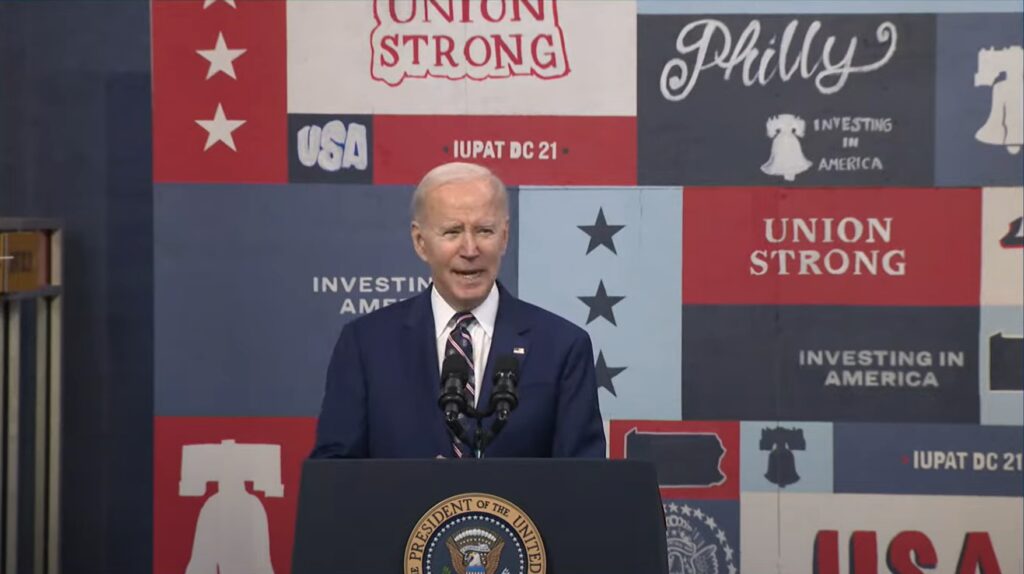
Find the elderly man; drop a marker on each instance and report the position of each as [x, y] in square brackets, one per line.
[383, 381]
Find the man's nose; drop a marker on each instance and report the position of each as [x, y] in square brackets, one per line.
[469, 247]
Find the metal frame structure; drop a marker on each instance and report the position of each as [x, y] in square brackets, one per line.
[48, 329]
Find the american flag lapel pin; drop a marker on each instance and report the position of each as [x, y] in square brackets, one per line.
[518, 351]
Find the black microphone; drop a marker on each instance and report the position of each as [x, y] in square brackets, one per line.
[454, 376]
[506, 376]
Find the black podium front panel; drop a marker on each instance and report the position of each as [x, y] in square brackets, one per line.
[595, 516]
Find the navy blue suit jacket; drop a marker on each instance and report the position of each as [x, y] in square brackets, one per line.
[383, 383]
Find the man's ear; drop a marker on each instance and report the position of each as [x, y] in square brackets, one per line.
[504, 236]
[416, 233]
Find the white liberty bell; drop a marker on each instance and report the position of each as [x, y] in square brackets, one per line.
[1003, 70]
[232, 533]
[787, 157]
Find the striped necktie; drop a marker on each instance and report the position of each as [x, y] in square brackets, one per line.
[460, 343]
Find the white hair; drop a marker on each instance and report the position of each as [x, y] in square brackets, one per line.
[453, 172]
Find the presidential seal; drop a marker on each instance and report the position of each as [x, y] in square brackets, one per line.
[696, 544]
[475, 533]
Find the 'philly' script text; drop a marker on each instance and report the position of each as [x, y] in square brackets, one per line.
[711, 42]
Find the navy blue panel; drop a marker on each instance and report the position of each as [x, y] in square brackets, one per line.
[330, 148]
[929, 459]
[1006, 363]
[830, 363]
[254, 283]
[704, 117]
[129, 323]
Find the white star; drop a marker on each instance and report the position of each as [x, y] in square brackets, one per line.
[710, 521]
[221, 58]
[732, 569]
[728, 553]
[208, 3]
[697, 512]
[721, 538]
[686, 510]
[219, 129]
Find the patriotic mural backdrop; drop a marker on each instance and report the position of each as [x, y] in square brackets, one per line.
[794, 238]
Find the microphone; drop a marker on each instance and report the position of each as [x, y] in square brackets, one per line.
[454, 376]
[506, 376]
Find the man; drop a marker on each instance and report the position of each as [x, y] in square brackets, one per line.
[383, 381]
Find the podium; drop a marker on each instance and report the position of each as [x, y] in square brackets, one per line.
[594, 516]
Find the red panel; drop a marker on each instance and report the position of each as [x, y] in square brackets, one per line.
[910, 247]
[182, 94]
[175, 517]
[728, 434]
[522, 150]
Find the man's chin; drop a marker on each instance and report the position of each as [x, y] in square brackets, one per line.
[472, 296]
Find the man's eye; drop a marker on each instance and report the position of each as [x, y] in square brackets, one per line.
[451, 232]
[486, 231]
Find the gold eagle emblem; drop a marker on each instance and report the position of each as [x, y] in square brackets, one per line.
[475, 550]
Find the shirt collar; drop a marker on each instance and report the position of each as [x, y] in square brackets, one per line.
[486, 313]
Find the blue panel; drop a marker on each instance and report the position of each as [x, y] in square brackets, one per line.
[929, 459]
[788, 100]
[824, 363]
[330, 148]
[787, 456]
[635, 255]
[253, 284]
[971, 119]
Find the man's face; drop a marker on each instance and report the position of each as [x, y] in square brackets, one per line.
[461, 233]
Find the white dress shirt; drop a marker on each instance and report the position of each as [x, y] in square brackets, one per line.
[481, 331]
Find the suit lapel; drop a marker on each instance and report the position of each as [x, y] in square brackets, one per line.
[423, 369]
[510, 338]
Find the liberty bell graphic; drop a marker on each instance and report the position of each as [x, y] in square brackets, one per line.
[781, 464]
[787, 157]
[1014, 238]
[1003, 69]
[232, 532]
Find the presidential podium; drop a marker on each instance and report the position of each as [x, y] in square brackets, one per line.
[487, 515]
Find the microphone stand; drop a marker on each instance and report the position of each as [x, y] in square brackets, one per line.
[503, 400]
[482, 436]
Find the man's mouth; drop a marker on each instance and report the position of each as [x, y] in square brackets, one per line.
[472, 274]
